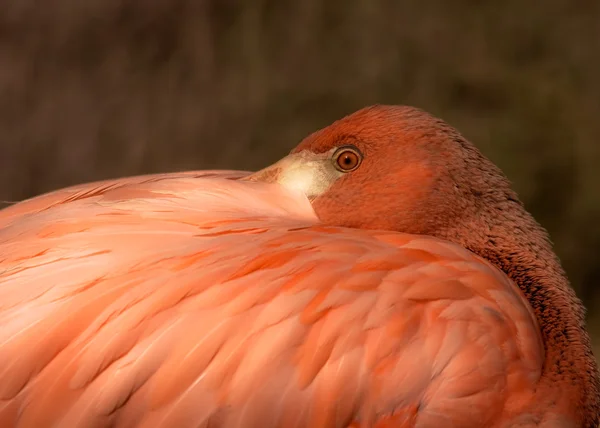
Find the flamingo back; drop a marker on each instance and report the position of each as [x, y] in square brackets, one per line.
[197, 301]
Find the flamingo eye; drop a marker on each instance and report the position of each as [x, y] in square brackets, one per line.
[347, 158]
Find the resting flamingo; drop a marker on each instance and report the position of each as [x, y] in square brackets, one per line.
[383, 274]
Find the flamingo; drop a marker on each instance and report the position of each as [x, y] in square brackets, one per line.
[383, 274]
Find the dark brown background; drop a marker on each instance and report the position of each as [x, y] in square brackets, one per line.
[93, 89]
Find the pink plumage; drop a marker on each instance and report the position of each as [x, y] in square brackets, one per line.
[182, 300]
[383, 274]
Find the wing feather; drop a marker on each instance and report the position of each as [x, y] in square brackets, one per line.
[189, 300]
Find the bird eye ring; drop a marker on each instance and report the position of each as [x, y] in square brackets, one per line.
[347, 158]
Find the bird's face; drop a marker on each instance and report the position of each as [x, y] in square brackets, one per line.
[382, 167]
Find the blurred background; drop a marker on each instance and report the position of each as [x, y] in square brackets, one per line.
[93, 89]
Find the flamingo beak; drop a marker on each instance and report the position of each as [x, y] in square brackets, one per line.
[307, 172]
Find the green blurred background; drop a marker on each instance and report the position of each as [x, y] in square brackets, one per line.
[92, 89]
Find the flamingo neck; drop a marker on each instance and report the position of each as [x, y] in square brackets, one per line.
[519, 246]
